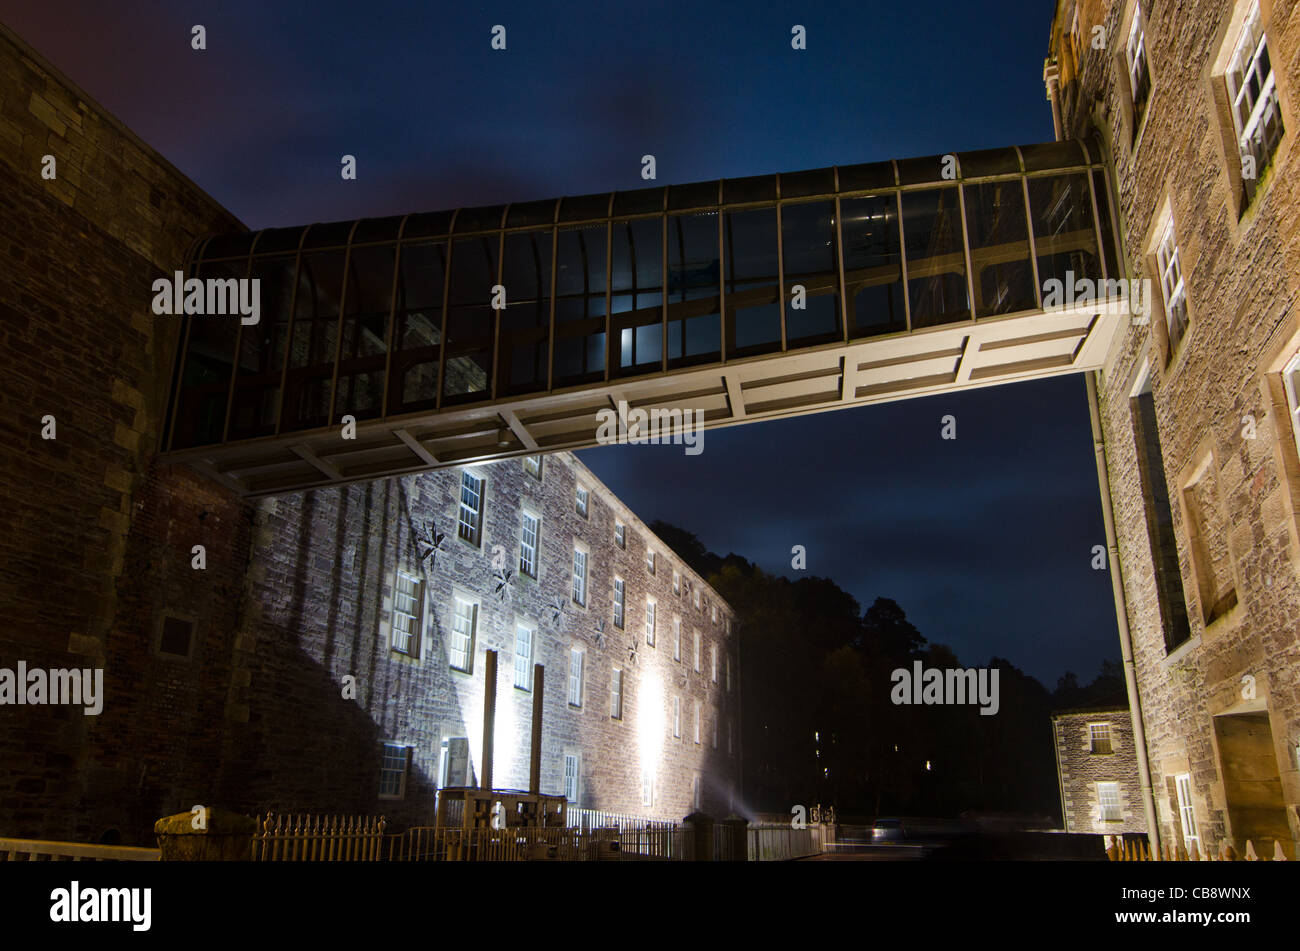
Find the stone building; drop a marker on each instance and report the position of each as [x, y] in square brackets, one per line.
[1197, 411]
[1096, 764]
[224, 666]
[405, 583]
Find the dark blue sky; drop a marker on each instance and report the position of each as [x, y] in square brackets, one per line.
[985, 541]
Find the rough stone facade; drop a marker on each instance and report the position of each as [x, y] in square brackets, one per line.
[246, 709]
[1095, 747]
[1222, 705]
[81, 345]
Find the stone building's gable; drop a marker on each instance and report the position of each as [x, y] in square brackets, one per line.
[1084, 760]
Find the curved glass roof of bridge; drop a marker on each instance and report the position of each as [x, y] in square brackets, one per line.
[472, 334]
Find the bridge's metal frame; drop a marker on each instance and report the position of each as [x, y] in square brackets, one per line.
[980, 351]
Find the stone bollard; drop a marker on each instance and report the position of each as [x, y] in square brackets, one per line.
[699, 837]
[735, 838]
[226, 837]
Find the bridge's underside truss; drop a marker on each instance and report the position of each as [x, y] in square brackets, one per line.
[918, 276]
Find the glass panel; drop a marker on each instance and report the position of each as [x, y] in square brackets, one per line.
[1063, 229]
[873, 271]
[637, 300]
[365, 332]
[999, 247]
[808, 246]
[526, 321]
[261, 351]
[936, 260]
[580, 306]
[753, 282]
[413, 384]
[1103, 218]
[312, 349]
[470, 319]
[693, 291]
[205, 377]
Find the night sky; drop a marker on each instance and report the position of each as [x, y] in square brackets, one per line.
[985, 541]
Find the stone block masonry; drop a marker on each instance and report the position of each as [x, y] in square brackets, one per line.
[1221, 707]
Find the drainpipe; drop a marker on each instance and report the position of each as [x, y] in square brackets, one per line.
[1060, 780]
[1121, 614]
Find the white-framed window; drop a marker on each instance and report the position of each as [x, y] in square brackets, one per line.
[620, 534]
[620, 593]
[1252, 91]
[650, 607]
[714, 724]
[529, 538]
[470, 526]
[571, 776]
[408, 613]
[1135, 56]
[1099, 738]
[677, 638]
[695, 792]
[1187, 814]
[696, 665]
[579, 577]
[647, 787]
[616, 694]
[1108, 802]
[1169, 260]
[677, 583]
[677, 717]
[650, 561]
[533, 466]
[714, 609]
[464, 620]
[575, 677]
[698, 725]
[394, 763]
[523, 657]
[713, 662]
[1291, 382]
[726, 626]
[580, 501]
[697, 599]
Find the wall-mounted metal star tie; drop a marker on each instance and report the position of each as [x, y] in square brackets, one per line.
[429, 542]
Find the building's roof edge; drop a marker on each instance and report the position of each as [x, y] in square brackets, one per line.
[1078, 711]
[633, 519]
[26, 50]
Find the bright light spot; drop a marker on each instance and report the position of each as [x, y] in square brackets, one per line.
[927, 766]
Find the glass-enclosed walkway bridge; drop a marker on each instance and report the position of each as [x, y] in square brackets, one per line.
[745, 299]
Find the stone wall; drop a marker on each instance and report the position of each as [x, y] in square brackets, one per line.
[1081, 768]
[81, 250]
[1229, 451]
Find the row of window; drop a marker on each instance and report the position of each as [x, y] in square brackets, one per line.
[407, 624]
[1249, 83]
[470, 528]
[1111, 810]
